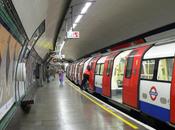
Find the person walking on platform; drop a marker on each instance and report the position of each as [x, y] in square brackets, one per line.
[61, 76]
[48, 74]
[85, 78]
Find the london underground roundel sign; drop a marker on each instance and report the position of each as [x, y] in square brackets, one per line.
[153, 93]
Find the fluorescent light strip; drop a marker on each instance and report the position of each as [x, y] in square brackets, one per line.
[70, 30]
[62, 47]
[77, 20]
[83, 11]
[74, 25]
[85, 8]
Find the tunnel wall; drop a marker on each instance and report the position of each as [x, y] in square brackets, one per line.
[34, 70]
[9, 53]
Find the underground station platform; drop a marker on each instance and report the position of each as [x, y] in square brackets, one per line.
[66, 107]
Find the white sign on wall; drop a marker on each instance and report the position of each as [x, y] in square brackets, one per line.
[73, 34]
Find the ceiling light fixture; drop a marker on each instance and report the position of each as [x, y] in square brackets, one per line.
[79, 17]
[77, 20]
[85, 8]
[74, 25]
[61, 47]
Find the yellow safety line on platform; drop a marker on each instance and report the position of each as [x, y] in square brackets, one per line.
[104, 108]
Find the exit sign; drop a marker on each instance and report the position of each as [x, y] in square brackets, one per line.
[73, 34]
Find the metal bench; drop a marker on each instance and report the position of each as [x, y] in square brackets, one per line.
[28, 100]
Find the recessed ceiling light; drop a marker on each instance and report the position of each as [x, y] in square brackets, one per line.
[85, 8]
[77, 20]
[74, 25]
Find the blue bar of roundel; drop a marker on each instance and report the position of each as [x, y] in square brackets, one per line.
[155, 111]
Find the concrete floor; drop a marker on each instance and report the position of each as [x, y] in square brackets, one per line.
[63, 108]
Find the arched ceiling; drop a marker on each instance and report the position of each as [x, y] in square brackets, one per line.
[110, 21]
[106, 22]
[33, 12]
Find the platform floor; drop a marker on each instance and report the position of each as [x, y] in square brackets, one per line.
[68, 108]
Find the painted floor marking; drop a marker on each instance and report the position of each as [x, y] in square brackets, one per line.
[122, 113]
[104, 108]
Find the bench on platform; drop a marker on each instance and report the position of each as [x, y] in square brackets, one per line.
[28, 100]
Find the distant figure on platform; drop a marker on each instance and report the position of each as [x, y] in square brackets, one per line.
[47, 75]
[85, 78]
[61, 76]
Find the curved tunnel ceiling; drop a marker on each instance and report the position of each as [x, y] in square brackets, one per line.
[110, 21]
[33, 12]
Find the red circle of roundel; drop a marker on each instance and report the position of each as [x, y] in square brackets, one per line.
[153, 93]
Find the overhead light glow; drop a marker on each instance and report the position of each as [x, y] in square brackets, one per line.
[74, 25]
[61, 46]
[77, 20]
[85, 8]
[63, 43]
[70, 30]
